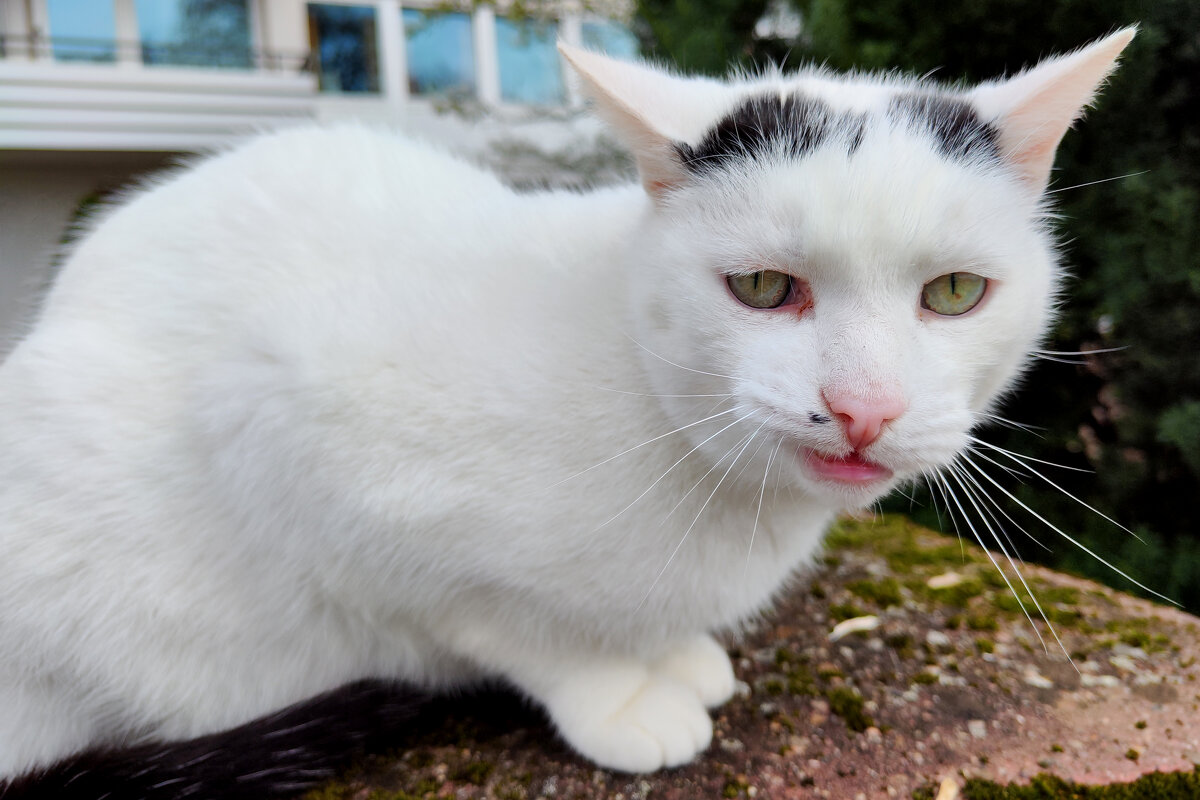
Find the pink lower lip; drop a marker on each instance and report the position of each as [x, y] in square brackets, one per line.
[850, 469]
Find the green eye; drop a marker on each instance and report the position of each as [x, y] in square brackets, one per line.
[953, 294]
[765, 289]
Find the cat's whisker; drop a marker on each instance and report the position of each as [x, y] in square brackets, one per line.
[762, 490]
[646, 394]
[979, 494]
[643, 444]
[1008, 423]
[1013, 457]
[966, 518]
[711, 470]
[673, 364]
[1102, 180]
[699, 513]
[1016, 570]
[1023, 457]
[660, 478]
[995, 505]
[1067, 536]
[750, 460]
[1080, 352]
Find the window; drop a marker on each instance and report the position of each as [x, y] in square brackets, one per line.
[195, 33]
[82, 30]
[343, 43]
[441, 55]
[529, 64]
[613, 38]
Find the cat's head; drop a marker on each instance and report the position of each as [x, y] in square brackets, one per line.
[862, 263]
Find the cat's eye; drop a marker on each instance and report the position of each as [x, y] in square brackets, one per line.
[953, 294]
[764, 289]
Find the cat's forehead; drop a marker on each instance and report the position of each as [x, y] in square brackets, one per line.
[794, 117]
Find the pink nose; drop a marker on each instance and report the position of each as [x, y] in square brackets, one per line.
[863, 417]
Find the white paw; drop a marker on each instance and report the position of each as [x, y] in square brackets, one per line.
[628, 719]
[701, 664]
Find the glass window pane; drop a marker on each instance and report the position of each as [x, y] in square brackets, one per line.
[343, 44]
[530, 71]
[194, 33]
[441, 55]
[82, 30]
[611, 37]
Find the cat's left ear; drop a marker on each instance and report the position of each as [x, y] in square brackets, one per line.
[649, 109]
[1034, 109]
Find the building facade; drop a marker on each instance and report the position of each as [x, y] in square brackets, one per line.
[94, 93]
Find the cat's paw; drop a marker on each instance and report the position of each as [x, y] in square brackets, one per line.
[631, 720]
[701, 664]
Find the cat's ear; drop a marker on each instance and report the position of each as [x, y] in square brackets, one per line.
[649, 110]
[1034, 109]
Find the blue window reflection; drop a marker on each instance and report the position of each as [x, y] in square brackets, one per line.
[529, 66]
[195, 33]
[81, 30]
[440, 51]
[343, 42]
[613, 38]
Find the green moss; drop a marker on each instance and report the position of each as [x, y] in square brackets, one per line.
[958, 595]
[474, 772]
[845, 611]
[1155, 786]
[902, 643]
[1132, 754]
[848, 704]
[1140, 724]
[883, 593]
[982, 622]
[1056, 748]
[985, 645]
[925, 678]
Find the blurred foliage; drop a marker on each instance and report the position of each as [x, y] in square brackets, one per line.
[1132, 244]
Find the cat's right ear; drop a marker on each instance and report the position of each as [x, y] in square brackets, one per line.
[649, 110]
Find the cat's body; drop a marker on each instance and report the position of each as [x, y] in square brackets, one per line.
[336, 406]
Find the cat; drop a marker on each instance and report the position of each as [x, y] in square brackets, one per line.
[335, 406]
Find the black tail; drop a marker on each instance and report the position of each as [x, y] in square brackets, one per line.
[280, 755]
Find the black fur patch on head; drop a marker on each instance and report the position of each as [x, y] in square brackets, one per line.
[953, 122]
[768, 124]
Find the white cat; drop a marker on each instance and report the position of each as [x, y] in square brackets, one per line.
[336, 406]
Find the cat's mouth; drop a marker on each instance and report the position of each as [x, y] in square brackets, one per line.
[852, 469]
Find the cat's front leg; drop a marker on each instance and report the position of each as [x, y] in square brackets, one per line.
[635, 716]
[702, 664]
[621, 713]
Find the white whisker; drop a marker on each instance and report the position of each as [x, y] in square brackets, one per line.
[762, 490]
[648, 441]
[673, 364]
[696, 519]
[1024, 457]
[1067, 536]
[1091, 508]
[659, 479]
[645, 394]
[1093, 183]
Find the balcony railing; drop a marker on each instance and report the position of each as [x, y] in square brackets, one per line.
[221, 55]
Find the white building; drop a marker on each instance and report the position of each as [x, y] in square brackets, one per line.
[94, 93]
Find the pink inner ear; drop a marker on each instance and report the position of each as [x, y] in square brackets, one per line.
[1035, 109]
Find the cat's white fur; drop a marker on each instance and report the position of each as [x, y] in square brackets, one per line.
[335, 405]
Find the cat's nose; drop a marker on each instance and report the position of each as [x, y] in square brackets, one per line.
[863, 418]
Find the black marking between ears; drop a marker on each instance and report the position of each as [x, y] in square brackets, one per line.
[952, 121]
[768, 124]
